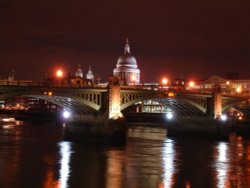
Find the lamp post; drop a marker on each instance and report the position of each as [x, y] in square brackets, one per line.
[238, 90]
[191, 84]
[164, 82]
[59, 75]
[228, 87]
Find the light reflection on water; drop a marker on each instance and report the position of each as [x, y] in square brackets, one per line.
[114, 170]
[37, 156]
[168, 157]
[221, 163]
[64, 172]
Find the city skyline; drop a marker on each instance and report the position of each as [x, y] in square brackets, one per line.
[176, 39]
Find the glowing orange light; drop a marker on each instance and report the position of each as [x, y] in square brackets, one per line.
[171, 94]
[164, 81]
[133, 78]
[191, 84]
[50, 93]
[227, 83]
[59, 73]
[238, 89]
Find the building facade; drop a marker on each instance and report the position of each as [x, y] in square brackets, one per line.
[228, 86]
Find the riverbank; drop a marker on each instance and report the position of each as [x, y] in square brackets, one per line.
[32, 115]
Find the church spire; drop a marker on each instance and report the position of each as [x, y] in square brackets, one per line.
[127, 47]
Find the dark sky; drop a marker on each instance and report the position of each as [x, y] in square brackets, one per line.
[189, 38]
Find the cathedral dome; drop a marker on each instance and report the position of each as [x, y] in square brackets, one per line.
[126, 60]
[126, 67]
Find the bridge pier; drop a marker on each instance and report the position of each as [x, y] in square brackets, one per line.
[217, 102]
[114, 95]
[106, 127]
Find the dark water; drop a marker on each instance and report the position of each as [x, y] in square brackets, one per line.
[35, 155]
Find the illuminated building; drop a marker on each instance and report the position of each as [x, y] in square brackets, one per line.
[79, 73]
[90, 75]
[126, 67]
[227, 86]
[79, 80]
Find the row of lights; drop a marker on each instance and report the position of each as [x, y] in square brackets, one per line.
[223, 117]
[165, 82]
[169, 115]
[191, 84]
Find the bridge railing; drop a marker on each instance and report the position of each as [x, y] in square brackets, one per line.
[143, 86]
[28, 83]
[19, 83]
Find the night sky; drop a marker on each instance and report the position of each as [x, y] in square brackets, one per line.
[180, 38]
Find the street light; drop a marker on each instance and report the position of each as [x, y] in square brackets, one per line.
[66, 114]
[59, 75]
[238, 89]
[228, 86]
[169, 115]
[164, 81]
[191, 84]
[223, 117]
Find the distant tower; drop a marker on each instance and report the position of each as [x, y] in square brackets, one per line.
[11, 76]
[126, 67]
[90, 75]
[79, 72]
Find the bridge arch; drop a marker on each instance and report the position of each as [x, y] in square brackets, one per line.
[178, 105]
[66, 103]
[78, 100]
[242, 106]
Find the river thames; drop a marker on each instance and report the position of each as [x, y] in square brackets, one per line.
[35, 155]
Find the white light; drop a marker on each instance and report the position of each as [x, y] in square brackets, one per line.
[66, 114]
[169, 115]
[65, 152]
[223, 117]
[222, 164]
[8, 120]
[168, 156]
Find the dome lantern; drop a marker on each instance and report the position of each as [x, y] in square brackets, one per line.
[127, 47]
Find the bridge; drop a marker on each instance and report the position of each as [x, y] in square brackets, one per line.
[111, 100]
